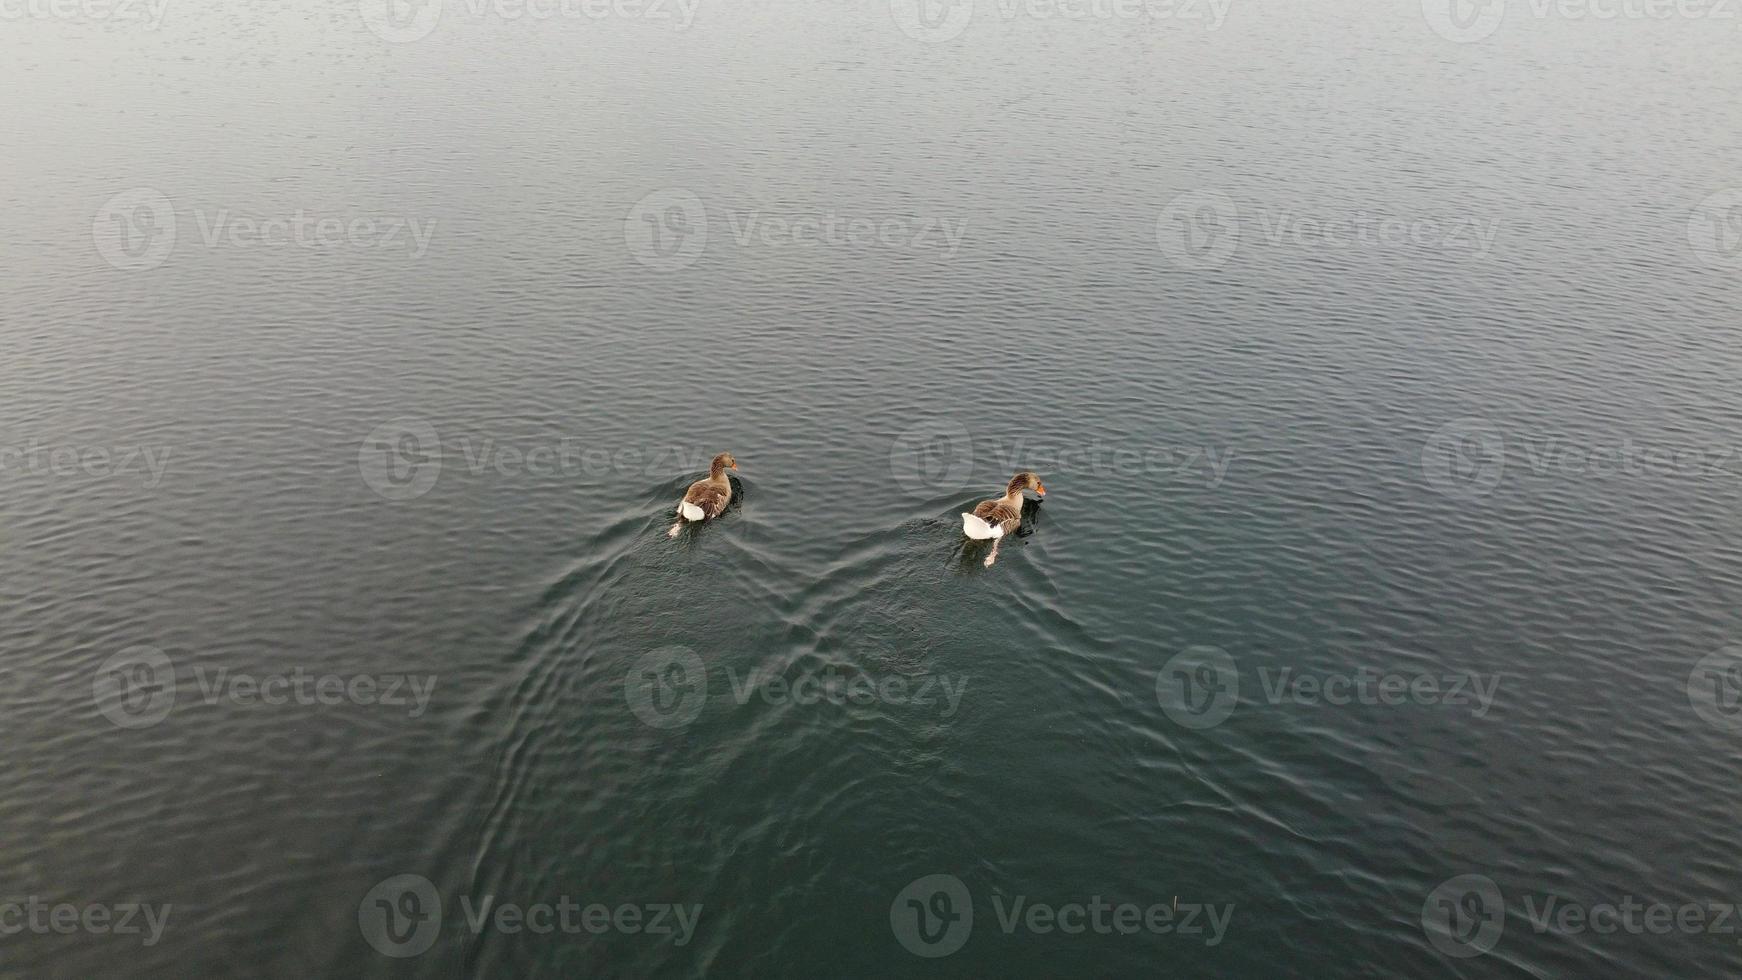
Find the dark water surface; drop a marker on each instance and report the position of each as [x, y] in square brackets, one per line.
[341, 360]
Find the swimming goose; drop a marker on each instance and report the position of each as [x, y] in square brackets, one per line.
[707, 498]
[992, 519]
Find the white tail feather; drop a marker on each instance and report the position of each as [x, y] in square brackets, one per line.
[690, 511]
[978, 529]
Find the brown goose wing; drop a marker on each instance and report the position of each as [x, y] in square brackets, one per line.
[709, 497]
[999, 513]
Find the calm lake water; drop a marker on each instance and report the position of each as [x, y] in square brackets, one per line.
[1379, 360]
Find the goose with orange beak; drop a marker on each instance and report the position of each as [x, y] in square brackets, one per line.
[993, 519]
[706, 499]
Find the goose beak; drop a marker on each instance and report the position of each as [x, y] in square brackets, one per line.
[734, 466]
[1040, 488]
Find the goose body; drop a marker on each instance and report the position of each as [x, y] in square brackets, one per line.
[706, 498]
[993, 519]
